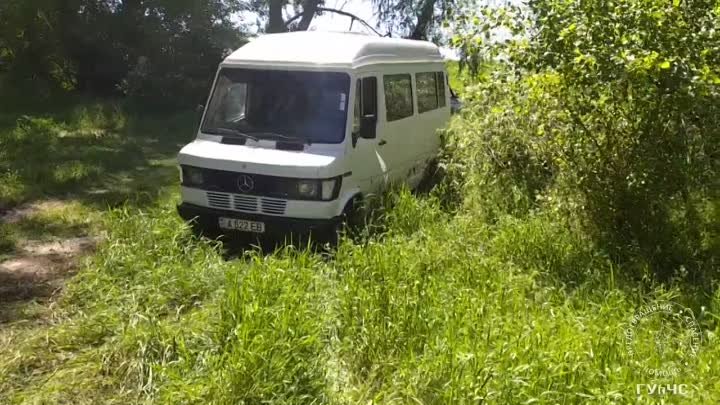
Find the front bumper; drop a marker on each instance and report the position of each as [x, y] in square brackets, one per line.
[320, 210]
[207, 218]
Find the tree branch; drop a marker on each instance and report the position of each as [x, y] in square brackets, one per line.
[424, 19]
[330, 10]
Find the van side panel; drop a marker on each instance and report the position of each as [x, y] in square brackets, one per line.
[429, 123]
[413, 141]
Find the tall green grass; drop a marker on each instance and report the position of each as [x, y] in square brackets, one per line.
[444, 309]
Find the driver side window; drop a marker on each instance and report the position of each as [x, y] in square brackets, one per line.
[365, 101]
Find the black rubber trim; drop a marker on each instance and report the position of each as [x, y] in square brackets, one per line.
[233, 140]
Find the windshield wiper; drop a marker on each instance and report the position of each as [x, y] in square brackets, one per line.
[230, 131]
[284, 137]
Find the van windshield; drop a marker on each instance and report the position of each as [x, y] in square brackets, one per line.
[279, 105]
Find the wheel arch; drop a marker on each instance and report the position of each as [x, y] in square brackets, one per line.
[350, 198]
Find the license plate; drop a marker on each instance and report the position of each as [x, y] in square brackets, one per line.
[241, 225]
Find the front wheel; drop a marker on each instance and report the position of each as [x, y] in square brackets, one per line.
[201, 231]
[349, 223]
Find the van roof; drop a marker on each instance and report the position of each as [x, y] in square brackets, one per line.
[332, 49]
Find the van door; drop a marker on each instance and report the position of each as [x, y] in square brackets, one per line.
[367, 159]
[397, 131]
[432, 115]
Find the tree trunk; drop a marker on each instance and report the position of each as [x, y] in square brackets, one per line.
[131, 15]
[309, 10]
[275, 21]
[132, 10]
[424, 20]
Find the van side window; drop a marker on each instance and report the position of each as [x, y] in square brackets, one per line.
[365, 101]
[441, 89]
[398, 96]
[431, 90]
[427, 91]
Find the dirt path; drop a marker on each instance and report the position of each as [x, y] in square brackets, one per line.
[38, 267]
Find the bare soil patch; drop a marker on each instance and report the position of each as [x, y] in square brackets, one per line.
[38, 268]
[17, 214]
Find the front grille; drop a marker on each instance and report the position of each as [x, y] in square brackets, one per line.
[219, 200]
[273, 206]
[246, 203]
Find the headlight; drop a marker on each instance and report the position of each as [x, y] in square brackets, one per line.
[314, 189]
[192, 176]
[307, 188]
[328, 189]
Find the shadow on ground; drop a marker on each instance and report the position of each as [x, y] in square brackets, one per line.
[98, 155]
[38, 270]
[95, 157]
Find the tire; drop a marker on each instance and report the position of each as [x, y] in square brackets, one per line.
[204, 232]
[432, 176]
[349, 222]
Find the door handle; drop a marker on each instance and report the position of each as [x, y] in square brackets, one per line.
[382, 142]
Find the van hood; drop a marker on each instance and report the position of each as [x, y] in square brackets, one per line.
[316, 161]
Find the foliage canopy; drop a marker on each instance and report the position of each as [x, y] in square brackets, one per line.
[610, 112]
[158, 50]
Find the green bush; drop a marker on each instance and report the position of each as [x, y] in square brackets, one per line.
[609, 116]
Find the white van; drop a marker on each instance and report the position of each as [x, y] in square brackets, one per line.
[301, 126]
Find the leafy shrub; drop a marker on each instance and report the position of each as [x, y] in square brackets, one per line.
[609, 115]
[495, 153]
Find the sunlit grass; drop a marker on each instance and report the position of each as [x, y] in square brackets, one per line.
[85, 149]
[57, 219]
[83, 159]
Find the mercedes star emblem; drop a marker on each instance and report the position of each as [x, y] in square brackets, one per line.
[245, 183]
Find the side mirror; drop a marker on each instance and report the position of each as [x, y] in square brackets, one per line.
[368, 127]
[200, 108]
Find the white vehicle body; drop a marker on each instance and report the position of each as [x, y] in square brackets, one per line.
[411, 101]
